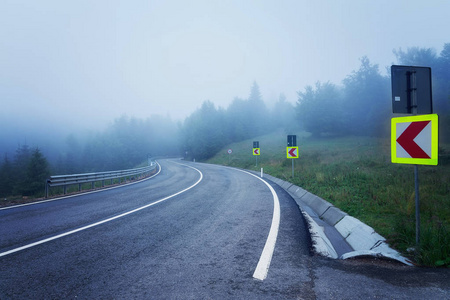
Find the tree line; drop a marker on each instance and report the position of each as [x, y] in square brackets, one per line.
[361, 105]
[125, 144]
[210, 128]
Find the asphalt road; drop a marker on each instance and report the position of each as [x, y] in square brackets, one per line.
[194, 231]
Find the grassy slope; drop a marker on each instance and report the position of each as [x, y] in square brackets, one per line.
[356, 175]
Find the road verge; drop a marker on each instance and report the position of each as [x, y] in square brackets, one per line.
[334, 233]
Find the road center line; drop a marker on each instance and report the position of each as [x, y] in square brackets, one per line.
[263, 265]
[104, 221]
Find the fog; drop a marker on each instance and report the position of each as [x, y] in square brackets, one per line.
[76, 66]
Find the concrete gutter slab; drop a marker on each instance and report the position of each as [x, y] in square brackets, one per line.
[321, 244]
[297, 191]
[334, 233]
[333, 215]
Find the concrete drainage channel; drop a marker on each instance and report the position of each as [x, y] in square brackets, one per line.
[334, 233]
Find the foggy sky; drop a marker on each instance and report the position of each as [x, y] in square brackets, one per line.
[79, 64]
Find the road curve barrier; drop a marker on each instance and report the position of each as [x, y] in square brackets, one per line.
[80, 179]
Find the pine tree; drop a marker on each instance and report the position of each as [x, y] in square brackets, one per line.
[257, 114]
[36, 174]
[21, 161]
[6, 182]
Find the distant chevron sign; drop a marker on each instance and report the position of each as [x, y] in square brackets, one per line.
[414, 140]
[292, 152]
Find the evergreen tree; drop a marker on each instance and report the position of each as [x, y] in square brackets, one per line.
[238, 122]
[257, 113]
[366, 103]
[203, 132]
[20, 165]
[320, 109]
[443, 69]
[283, 115]
[71, 163]
[36, 174]
[6, 182]
[416, 56]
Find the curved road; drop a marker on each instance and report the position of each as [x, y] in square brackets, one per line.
[192, 231]
[204, 242]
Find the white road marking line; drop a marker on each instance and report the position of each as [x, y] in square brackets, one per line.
[82, 194]
[263, 265]
[104, 221]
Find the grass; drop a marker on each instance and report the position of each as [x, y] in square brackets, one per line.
[356, 175]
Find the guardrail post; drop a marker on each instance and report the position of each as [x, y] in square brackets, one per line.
[47, 182]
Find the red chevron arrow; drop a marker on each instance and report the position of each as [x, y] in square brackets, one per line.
[256, 151]
[292, 152]
[406, 139]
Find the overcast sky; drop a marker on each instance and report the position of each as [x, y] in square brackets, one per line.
[82, 63]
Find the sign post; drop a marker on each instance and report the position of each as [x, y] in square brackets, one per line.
[256, 150]
[414, 140]
[292, 149]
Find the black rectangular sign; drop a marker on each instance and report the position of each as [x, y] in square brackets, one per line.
[256, 144]
[411, 90]
[291, 140]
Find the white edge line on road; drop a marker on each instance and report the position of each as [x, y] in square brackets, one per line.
[82, 194]
[104, 221]
[263, 265]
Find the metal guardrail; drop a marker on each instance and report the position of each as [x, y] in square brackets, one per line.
[73, 179]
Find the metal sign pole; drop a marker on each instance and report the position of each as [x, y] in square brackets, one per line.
[291, 144]
[292, 168]
[416, 184]
[412, 91]
[256, 151]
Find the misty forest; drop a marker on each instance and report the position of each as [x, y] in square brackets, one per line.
[359, 106]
